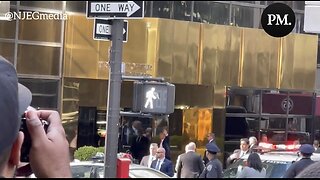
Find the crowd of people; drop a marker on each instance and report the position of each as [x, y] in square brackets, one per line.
[190, 164]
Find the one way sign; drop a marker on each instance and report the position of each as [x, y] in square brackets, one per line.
[102, 30]
[115, 9]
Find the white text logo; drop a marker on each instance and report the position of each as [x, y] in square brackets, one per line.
[29, 15]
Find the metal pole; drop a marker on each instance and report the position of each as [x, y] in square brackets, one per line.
[313, 124]
[287, 117]
[113, 104]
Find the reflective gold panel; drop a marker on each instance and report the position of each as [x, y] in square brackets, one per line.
[41, 60]
[7, 51]
[299, 61]
[81, 51]
[194, 53]
[40, 30]
[220, 54]
[7, 29]
[165, 48]
[178, 51]
[260, 59]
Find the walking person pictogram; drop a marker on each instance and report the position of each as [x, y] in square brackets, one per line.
[151, 95]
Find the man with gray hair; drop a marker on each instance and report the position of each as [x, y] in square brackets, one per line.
[190, 164]
[147, 160]
[253, 143]
[178, 158]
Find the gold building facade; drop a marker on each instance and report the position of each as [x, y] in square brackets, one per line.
[200, 59]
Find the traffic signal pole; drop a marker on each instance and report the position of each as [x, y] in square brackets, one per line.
[113, 103]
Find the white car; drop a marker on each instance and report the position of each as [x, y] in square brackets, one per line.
[90, 169]
[275, 162]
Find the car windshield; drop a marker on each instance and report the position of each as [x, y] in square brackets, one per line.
[81, 171]
[143, 173]
[274, 169]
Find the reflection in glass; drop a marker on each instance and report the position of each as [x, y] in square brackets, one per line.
[211, 12]
[44, 92]
[318, 55]
[147, 8]
[76, 6]
[243, 16]
[40, 30]
[40, 60]
[162, 9]
[43, 4]
[7, 51]
[7, 29]
[182, 10]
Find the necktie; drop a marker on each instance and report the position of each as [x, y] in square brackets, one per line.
[158, 165]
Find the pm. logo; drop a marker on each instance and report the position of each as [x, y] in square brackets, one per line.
[287, 102]
[278, 20]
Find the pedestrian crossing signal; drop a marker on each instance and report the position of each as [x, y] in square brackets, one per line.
[153, 97]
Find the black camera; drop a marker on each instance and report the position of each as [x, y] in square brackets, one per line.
[26, 145]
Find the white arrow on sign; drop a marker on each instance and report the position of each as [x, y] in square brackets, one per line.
[129, 7]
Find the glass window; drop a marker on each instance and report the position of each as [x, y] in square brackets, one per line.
[299, 5]
[263, 2]
[81, 171]
[7, 51]
[147, 8]
[253, 2]
[201, 11]
[318, 55]
[246, 16]
[76, 6]
[41, 60]
[210, 12]
[8, 28]
[162, 9]
[301, 23]
[43, 4]
[182, 10]
[146, 173]
[40, 30]
[44, 92]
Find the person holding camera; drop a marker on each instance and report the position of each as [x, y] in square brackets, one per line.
[49, 153]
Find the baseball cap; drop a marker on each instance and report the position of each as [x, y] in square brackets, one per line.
[14, 100]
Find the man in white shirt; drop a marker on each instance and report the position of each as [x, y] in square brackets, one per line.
[147, 160]
[238, 153]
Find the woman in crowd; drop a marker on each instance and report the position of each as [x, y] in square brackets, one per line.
[254, 168]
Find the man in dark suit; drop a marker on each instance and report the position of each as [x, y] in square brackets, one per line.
[165, 142]
[238, 153]
[140, 146]
[190, 164]
[211, 139]
[162, 164]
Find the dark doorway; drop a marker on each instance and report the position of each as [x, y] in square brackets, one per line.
[87, 130]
